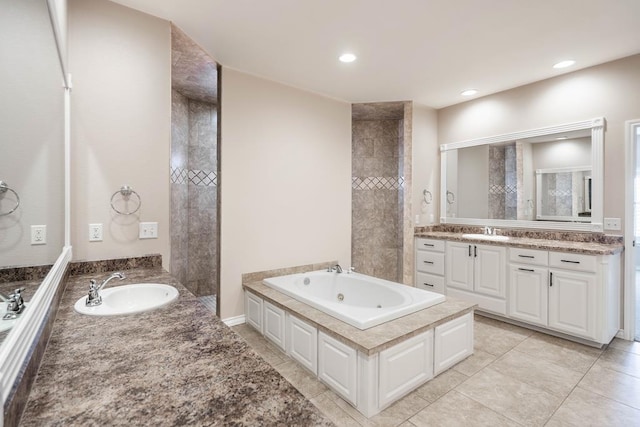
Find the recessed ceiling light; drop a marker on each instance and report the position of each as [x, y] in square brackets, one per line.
[347, 57]
[561, 137]
[469, 92]
[564, 64]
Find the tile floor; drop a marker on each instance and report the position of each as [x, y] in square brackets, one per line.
[516, 377]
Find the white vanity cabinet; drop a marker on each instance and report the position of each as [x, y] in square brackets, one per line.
[575, 294]
[430, 265]
[477, 273]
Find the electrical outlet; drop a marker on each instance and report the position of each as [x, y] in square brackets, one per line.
[148, 230]
[38, 234]
[612, 224]
[95, 232]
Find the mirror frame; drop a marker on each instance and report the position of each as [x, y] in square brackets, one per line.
[596, 126]
[19, 346]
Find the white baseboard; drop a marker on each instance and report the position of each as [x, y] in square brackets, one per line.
[234, 321]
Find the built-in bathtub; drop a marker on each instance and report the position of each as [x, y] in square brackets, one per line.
[359, 300]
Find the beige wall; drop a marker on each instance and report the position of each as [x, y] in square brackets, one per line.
[426, 164]
[608, 90]
[285, 180]
[121, 126]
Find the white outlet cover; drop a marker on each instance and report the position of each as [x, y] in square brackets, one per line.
[95, 232]
[612, 224]
[38, 234]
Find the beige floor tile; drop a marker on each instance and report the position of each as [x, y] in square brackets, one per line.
[474, 363]
[496, 339]
[613, 384]
[503, 325]
[560, 351]
[630, 346]
[510, 397]
[538, 372]
[621, 361]
[455, 410]
[301, 379]
[400, 411]
[440, 385]
[331, 410]
[584, 408]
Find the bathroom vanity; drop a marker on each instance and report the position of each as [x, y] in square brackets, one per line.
[559, 286]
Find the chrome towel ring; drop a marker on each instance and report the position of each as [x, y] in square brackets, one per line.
[428, 197]
[125, 191]
[451, 198]
[3, 189]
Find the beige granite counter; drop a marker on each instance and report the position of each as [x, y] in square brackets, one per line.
[177, 365]
[589, 248]
[372, 340]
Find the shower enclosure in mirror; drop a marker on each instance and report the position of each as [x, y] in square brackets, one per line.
[541, 178]
[34, 240]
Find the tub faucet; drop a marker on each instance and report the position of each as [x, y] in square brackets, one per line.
[337, 268]
[487, 230]
[94, 297]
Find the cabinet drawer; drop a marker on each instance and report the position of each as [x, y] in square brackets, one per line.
[529, 256]
[430, 282]
[570, 261]
[430, 262]
[430, 245]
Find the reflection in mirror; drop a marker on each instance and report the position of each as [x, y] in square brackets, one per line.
[563, 194]
[32, 158]
[526, 177]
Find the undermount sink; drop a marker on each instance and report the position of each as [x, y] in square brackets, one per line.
[492, 237]
[129, 299]
[6, 324]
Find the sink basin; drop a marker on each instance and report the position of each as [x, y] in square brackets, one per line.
[129, 299]
[486, 237]
[7, 324]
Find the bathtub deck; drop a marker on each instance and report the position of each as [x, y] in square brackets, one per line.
[372, 340]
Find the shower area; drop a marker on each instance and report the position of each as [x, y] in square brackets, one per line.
[194, 169]
[382, 231]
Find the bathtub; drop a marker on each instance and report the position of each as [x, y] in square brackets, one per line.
[359, 300]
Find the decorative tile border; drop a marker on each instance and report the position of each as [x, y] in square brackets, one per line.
[502, 189]
[195, 177]
[377, 183]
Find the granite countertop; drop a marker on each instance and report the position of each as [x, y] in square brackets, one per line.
[177, 365]
[372, 340]
[589, 248]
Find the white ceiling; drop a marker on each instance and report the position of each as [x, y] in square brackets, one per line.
[427, 51]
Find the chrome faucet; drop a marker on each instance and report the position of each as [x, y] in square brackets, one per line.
[487, 230]
[94, 297]
[15, 305]
[337, 268]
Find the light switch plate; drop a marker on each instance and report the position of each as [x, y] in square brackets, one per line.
[148, 230]
[612, 224]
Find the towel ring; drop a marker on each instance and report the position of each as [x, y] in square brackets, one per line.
[450, 197]
[3, 189]
[428, 197]
[126, 192]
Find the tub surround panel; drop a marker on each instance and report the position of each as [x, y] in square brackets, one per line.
[172, 366]
[372, 340]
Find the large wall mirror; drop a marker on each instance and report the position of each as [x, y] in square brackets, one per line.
[541, 178]
[33, 120]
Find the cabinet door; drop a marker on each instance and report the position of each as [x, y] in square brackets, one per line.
[453, 342]
[274, 324]
[572, 305]
[528, 293]
[489, 272]
[253, 309]
[459, 266]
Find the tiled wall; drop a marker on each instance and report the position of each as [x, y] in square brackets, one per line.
[377, 198]
[503, 182]
[194, 194]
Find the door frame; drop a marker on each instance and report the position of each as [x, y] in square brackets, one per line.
[629, 316]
